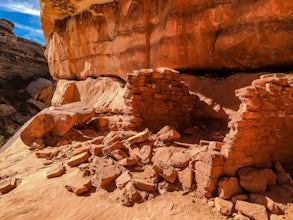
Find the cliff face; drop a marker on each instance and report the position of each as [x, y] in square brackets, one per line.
[21, 60]
[86, 39]
[23, 75]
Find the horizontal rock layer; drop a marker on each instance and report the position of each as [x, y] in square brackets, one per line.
[87, 39]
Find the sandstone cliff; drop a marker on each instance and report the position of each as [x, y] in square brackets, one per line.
[86, 39]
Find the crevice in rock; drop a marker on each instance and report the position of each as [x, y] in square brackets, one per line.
[226, 72]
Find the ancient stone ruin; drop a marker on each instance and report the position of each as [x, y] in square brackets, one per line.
[99, 133]
[215, 123]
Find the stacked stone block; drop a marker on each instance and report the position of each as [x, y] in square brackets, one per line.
[261, 132]
[159, 97]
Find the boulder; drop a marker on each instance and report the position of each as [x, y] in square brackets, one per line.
[115, 146]
[282, 176]
[129, 161]
[256, 180]
[229, 187]
[82, 149]
[180, 160]
[148, 174]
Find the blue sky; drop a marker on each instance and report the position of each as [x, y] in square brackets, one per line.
[25, 14]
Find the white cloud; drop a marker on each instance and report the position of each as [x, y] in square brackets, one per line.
[27, 7]
[28, 28]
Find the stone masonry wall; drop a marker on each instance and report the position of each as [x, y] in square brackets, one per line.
[159, 97]
[260, 134]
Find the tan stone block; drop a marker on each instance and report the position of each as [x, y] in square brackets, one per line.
[254, 211]
[224, 206]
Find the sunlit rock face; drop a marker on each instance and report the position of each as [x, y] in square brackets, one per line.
[85, 38]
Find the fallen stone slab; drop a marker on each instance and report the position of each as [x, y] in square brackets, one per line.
[118, 154]
[140, 137]
[168, 133]
[7, 185]
[115, 146]
[254, 211]
[122, 180]
[79, 188]
[186, 178]
[144, 185]
[96, 149]
[47, 153]
[78, 159]
[166, 171]
[109, 174]
[130, 161]
[129, 195]
[82, 149]
[56, 171]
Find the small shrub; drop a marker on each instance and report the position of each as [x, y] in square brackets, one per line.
[5, 133]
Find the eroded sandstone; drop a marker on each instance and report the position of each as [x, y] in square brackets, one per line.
[86, 38]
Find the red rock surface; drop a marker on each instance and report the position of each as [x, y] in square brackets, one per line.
[86, 39]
